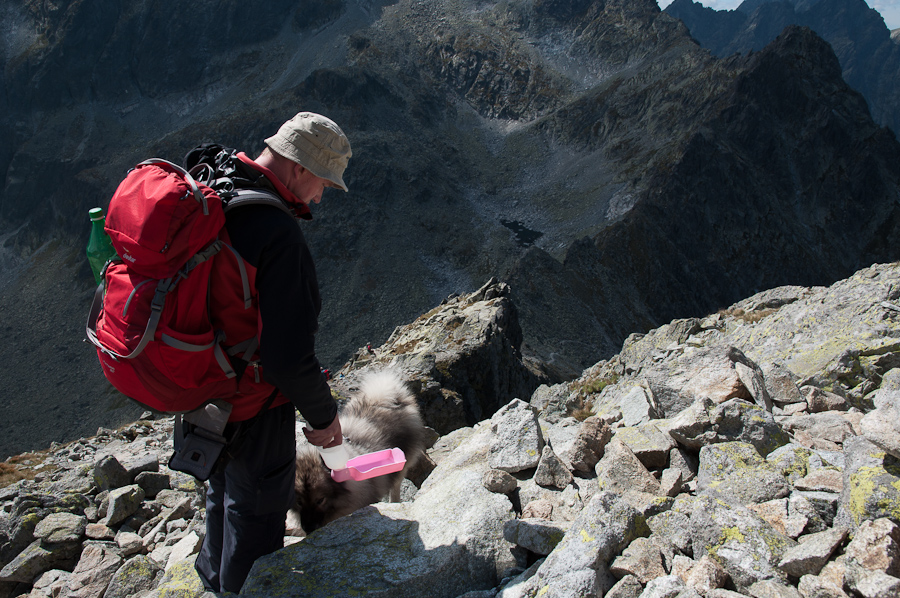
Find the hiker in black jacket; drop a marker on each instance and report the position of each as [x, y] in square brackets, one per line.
[249, 496]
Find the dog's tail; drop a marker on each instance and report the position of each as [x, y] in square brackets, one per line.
[385, 412]
[383, 389]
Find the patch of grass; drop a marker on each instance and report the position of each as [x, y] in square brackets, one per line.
[20, 467]
[583, 413]
[596, 386]
[751, 317]
[405, 347]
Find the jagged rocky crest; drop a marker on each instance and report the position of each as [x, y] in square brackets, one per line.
[588, 153]
[752, 452]
[869, 56]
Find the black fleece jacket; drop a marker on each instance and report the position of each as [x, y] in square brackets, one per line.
[289, 304]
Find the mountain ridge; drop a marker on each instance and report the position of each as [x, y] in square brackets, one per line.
[869, 56]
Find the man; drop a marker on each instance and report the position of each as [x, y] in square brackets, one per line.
[249, 495]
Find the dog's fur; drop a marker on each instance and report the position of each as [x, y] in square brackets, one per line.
[383, 414]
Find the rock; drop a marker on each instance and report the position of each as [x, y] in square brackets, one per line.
[538, 509]
[152, 482]
[747, 547]
[579, 564]
[188, 546]
[142, 463]
[705, 422]
[38, 558]
[99, 531]
[670, 484]
[871, 491]
[820, 508]
[123, 502]
[181, 581]
[675, 527]
[566, 504]
[808, 557]
[642, 559]
[109, 473]
[637, 407]
[677, 382]
[668, 586]
[735, 471]
[537, 535]
[822, 480]
[781, 385]
[627, 587]
[812, 586]
[876, 546]
[93, 572]
[459, 532]
[60, 527]
[51, 583]
[751, 375]
[872, 584]
[551, 472]
[620, 470]
[590, 442]
[819, 400]
[403, 546]
[882, 426]
[561, 436]
[129, 542]
[705, 575]
[778, 514]
[550, 401]
[499, 481]
[648, 444]
[794, 461]
[684, 462]
[768, 588]
[132, 577]
[518, 440]
[462, 359]
[828, 426]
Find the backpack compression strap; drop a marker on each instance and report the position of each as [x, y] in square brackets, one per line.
[156, 308]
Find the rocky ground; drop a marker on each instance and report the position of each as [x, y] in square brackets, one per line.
[750, 453]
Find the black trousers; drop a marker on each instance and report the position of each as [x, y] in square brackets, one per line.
[248, 499]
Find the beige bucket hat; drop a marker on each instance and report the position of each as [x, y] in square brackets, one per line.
[316, 143]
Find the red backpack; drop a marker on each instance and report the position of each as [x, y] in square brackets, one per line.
[150, 317]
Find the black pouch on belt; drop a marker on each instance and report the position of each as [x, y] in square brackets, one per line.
[199, 440]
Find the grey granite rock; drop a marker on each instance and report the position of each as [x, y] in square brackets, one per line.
[518, 439]
[620, 470]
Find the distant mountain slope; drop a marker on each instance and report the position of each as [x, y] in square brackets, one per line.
[869, 57]
[589, 152]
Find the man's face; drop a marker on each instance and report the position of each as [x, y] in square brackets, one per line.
[306, 186]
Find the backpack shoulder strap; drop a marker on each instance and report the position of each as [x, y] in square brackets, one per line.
[247, 197]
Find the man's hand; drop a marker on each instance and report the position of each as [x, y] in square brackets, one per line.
[326, 437]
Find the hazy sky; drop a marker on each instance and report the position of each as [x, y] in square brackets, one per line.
[889, 9]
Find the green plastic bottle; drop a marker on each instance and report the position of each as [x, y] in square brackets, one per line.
[99, 247]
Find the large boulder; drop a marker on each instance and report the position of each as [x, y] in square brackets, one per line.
[447, 542]
[462, 358]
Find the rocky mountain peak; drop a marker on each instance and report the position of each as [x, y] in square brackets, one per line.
[857, 34]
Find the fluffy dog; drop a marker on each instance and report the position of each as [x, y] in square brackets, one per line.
[383, 414]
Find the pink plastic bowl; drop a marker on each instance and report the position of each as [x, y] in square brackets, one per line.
[371, 465]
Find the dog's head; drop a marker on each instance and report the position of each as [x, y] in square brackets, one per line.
[319, 499]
